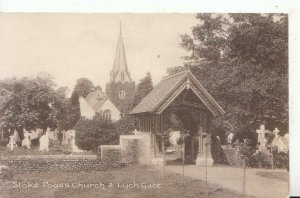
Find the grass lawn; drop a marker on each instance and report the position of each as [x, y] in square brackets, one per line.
[284, 176]
[149, 183]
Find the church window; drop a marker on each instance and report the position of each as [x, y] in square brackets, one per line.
[107, 114]
[122, 94]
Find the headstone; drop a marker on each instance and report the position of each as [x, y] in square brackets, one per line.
[44, 142]
[261, 138]
[276, 131]
[12, 142]
[74, 147]
[26, 141]
[17, 137]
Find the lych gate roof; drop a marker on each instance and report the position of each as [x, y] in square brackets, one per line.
[169, 88]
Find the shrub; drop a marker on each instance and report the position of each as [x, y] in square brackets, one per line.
[260, 160]
[90, 133]
[281, 159]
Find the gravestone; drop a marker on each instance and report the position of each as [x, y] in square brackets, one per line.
[26, 141]
[74, 147]
[261, 138]
[12, 142]
[44, 142]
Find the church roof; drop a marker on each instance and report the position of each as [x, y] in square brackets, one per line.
[120, 62]
[96, 99]
[169, 88]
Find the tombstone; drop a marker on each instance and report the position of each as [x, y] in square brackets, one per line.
[12, 142]
[276, 131]
[44, 142]
[74, 147]
[17, 137]
[26, 141]
[261, 138]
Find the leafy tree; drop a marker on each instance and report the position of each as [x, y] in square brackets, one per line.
[30, 103]
[91, 133]
[242, 59]
[84, 86]
[126, 125]
[143, 88]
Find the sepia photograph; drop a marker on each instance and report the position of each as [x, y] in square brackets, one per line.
[144, 105]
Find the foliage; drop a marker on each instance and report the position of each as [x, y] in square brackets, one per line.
[32, 103]
[83, 87]
[143, 88]
[91, 133]
[242, 60]
[127, 124]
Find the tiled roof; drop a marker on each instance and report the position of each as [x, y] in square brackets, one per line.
[96, 99]
[159, 93]
[165, 89]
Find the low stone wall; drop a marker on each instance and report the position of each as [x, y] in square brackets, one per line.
[137, 148]
[111, 155]
[133, 149]
[62, 157]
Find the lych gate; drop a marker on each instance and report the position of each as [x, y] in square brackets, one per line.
[182, 95]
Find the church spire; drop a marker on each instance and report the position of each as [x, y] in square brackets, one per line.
[120, 69]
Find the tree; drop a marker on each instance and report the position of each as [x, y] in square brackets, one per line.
[126, 125]
[91, 133]
[242, 59]
[30, 103]
[143, 88]
[83, 87]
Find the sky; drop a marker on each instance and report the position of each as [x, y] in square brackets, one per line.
[72, 46]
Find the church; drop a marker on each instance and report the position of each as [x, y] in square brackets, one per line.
[119, 94]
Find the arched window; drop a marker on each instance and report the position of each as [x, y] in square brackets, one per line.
[107, 114]
[122, 94]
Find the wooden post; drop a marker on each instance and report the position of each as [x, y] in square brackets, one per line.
[244, 176]
[163, 150]
[206, 185]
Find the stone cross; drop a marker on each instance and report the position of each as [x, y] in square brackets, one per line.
[276, 131]
[261, 138]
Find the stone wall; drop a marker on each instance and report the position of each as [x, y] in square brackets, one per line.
[133, 149]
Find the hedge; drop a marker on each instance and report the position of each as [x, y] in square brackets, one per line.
[55, 165]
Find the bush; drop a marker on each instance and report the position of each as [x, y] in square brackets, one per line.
[260, 160]
[281, 159]
[90, 133]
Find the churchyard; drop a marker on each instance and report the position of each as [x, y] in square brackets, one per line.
[215, 127]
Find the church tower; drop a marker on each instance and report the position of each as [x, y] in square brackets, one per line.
[121, 88]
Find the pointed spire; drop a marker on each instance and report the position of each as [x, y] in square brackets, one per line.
[120, 69]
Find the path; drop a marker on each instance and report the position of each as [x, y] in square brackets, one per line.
[231, 178]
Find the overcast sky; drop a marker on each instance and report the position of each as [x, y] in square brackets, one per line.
[71, 46]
